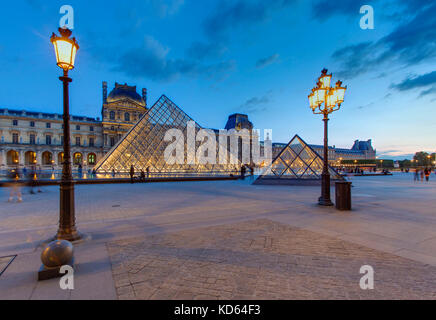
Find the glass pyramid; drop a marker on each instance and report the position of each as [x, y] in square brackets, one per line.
[143, 146]
[297, 162]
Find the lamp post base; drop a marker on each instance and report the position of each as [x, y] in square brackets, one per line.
[325, 202]
[69, 235]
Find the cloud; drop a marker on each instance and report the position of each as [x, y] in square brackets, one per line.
[201, 50]
[168, 7]
[267, 61]
[425, 80]
[393, 9]
[324, 9]
[416, 82]
[411, 42]
[151, 60]
[230, 15]
[427, 92]
[255, 104]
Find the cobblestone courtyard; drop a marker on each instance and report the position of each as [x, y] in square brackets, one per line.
[228, 239]
[260, 259]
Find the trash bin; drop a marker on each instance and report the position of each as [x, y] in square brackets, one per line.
[343, 195]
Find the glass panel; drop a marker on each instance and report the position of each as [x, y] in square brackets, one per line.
[144, 145]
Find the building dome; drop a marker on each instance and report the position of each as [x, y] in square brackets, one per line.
[123, 91]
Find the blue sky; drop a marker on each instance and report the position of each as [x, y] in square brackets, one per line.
[214, 58]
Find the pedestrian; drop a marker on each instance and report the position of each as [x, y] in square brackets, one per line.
[113, 173]
[148, 172]
[15, 189]
[243, 170]
[422, 175]
[132, 173]
[416, 175]
[142, 175]
[32, 179]
[427, 174]
[79, 171]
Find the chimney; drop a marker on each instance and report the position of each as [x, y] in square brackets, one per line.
[104, 92]
[144, 96]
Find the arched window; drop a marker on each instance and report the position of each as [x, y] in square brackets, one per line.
[112, 115]
[91, 158]
[12, 157]
[47, 158]
[30, 157]
[77, 158]
[127, 116]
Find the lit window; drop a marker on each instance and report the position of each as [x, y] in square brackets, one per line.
[91, 158]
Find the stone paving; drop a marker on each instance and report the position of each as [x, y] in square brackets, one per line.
[4, 262]
[260, 259]
[246, 240]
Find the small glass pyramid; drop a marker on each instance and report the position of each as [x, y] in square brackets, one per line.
[143, 146]
[297, 162]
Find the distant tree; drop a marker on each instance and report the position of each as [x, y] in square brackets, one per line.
[423, 158]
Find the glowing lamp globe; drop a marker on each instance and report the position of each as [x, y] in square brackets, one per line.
[65, 48]
[340, 92]
[325, 79]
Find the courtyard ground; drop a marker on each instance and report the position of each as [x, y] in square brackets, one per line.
[228, 239]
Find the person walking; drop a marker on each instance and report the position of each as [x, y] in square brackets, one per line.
[132, 173]
[113, 173]
[15, 186]
[243, 170]
[79, 171]
[427, 174]
[422, 175]
[148, 172]
[416, 175]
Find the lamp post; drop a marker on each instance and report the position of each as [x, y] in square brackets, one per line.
[65, 50]
[325, 99]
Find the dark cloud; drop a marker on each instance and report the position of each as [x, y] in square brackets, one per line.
[229, 15]
[267, 61]
[151, 61]
[416, 82]
[422, 81]
[427, 92]
[412, 41]
[255, 104]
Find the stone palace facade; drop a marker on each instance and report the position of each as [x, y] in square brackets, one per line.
[30, 138]
[36, 138]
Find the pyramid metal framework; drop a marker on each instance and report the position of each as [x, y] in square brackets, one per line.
[297, 163]
[143, 146]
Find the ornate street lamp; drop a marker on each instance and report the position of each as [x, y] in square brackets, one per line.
[65, 50]
[325, 99]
